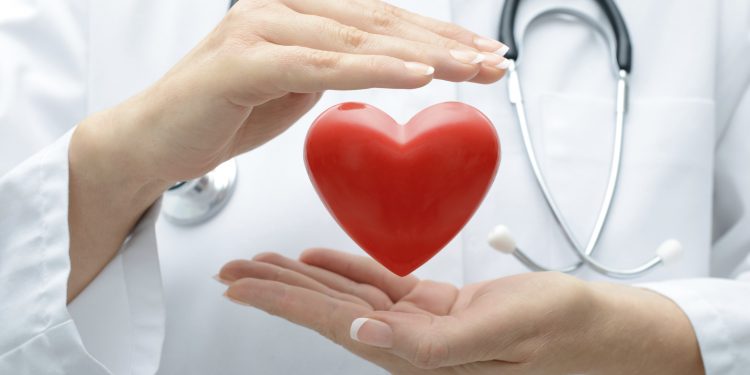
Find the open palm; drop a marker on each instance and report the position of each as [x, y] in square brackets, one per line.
[437, 328]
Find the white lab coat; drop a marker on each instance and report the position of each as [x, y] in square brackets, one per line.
[685, 176]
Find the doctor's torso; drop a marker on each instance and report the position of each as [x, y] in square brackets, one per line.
[567, 76]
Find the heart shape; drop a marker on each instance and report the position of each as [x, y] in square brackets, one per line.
[402, 192]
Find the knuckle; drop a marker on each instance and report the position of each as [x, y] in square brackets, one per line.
[252, 11]
[321, 59]
[352, 37]
[248, 24]
[280, 274]
[324, 326]
[430, 354]
[375, 67]
[282, 303]
[382, 18]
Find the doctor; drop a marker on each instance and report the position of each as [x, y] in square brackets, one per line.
[85, 291]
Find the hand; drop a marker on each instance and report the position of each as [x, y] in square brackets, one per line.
[268, 62]
[259, 71]
[536, 323]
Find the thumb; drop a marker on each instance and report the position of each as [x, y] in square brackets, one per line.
[426, 341]
[270, 119]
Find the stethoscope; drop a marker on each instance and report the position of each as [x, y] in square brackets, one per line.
[500, 238]
[196, 201]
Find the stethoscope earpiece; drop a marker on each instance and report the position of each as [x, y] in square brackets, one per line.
[669, 251]
[501, 240]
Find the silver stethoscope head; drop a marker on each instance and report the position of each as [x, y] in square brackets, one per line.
[500, 237]
[197, 201]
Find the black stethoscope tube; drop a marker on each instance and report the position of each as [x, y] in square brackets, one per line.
[624, 48]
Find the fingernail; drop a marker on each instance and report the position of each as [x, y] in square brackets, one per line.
[236, 301]
[419, 68]
[219, 279]
[488, 45]
[467, 57]
[371, 332]
[504, 65]
[503, 50]
[492, 59]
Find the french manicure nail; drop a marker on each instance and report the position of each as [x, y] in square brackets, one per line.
[502, 50]
[371, 332]
[504, 65]
[419, 68]
[467, 57]
[489, 45]
[236, 301]
[492, 59]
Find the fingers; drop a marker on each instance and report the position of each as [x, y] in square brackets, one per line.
[305, 70]
[328, 316]
[403, 340]
[325, 34]
[374, 296]
[240, 269]
[301, 306]
[377, 17]
[361, 270]
[426, 341]
[374, 17]
[444, 29]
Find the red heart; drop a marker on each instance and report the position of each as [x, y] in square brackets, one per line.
[402, 192]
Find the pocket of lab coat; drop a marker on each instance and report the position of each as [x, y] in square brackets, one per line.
[665, 188]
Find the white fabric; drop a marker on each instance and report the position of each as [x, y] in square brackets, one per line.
[684, 176]
[37, 333]
[119, 310]
[720, 308]
[120, 315]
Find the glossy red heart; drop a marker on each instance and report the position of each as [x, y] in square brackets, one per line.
[402, 192]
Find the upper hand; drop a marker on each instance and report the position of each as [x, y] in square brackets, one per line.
[266, 64]
[537, 323]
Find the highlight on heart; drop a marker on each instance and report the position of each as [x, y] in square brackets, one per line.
[402, 192]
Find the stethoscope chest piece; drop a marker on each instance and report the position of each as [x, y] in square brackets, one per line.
[196, 201]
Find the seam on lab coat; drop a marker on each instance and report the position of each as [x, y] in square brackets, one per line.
[32, 338]
[52, 338]
[45, 243]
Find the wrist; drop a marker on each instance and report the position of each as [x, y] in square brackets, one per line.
[639, 331]
[108, 193]
[105, 156]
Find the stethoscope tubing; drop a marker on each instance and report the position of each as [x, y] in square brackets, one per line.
[623, 44]
[623, 60]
